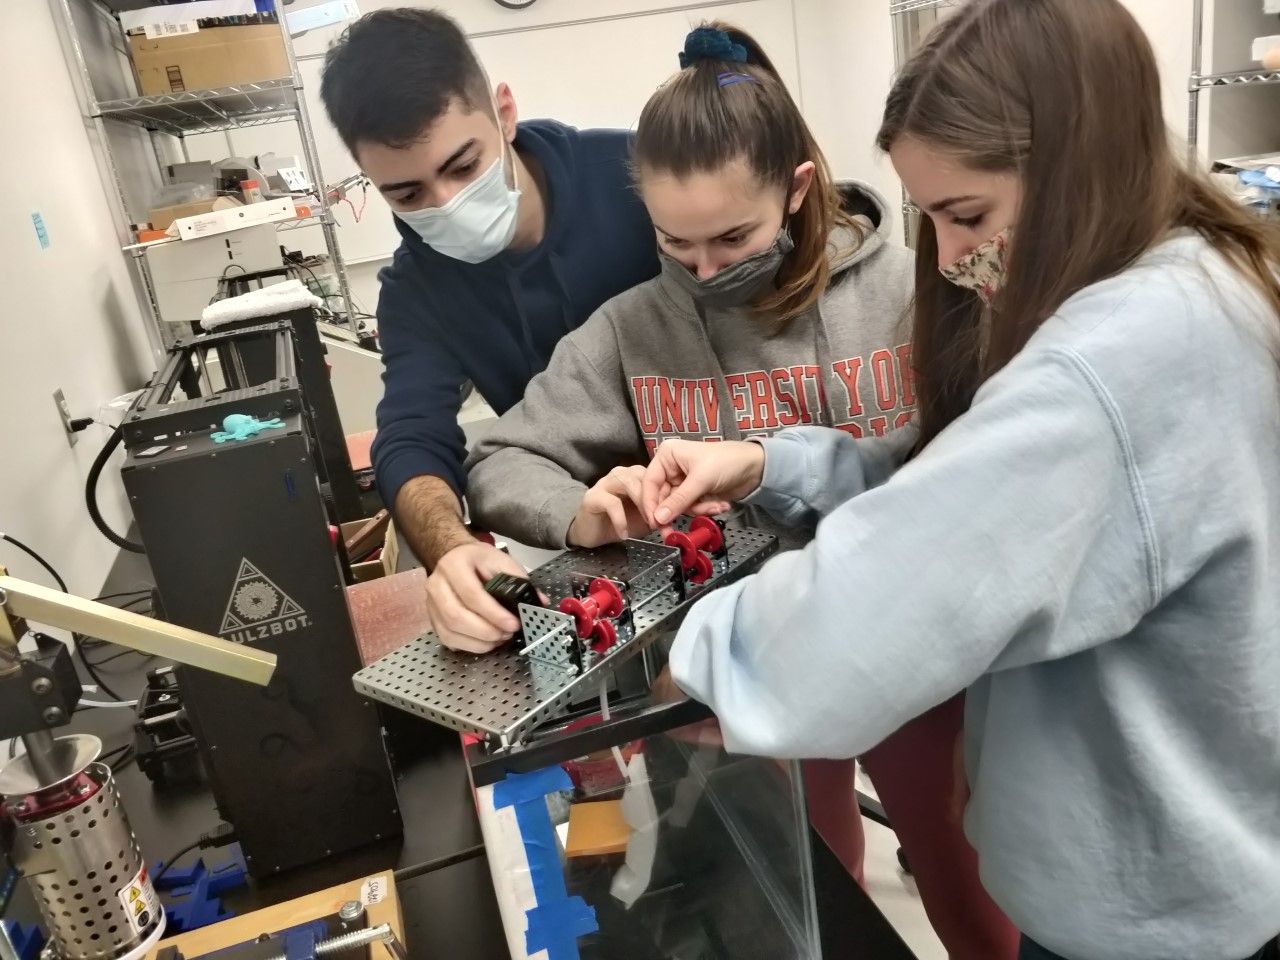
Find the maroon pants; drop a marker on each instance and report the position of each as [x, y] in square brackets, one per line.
[915, 776]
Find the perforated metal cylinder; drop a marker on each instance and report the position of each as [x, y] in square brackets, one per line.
[87, 875]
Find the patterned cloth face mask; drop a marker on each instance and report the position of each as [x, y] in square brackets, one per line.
[983, 270]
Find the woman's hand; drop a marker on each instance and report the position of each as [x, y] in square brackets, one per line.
[610, 511]
[697, 478]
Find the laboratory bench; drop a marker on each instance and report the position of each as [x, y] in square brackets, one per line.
[447, 890]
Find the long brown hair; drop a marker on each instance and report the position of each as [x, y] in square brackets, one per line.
[693, 124]
[1065, 94]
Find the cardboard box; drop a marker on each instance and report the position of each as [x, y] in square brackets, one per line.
[162, 217]
[235, 217]
[385, 565]
[212, 57]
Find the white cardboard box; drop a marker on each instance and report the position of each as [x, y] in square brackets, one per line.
[235, 218]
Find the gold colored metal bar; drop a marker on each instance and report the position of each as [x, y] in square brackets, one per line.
[43, 605]
[12, 629]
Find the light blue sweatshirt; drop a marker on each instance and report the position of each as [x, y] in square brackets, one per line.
[1093, 550]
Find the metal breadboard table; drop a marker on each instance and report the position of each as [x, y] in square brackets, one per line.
[503, 696]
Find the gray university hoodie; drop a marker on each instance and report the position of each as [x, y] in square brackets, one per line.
[651, 364]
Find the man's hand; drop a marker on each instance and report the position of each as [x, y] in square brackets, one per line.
[610, 511]
[463, 615]
[697, 478]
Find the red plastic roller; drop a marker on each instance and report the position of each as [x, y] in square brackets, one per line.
[603, 600]
[604, 636]
[704, 534]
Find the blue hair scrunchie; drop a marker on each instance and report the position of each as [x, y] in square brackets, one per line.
[708, 43]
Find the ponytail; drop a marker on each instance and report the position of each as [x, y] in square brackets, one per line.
[729, 103]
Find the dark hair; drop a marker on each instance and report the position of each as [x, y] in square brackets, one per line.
[1065, 94]
[694, 124]
[393, 72]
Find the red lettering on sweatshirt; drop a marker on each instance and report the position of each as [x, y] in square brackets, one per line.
[798, 378]
[647, 416]
[690, 403]
[764, 415]
[848, 371]
[669, 406]
[882, 364]
[710, 404]
[737, 384]
[783, 390]
[906, 375]
[761, 402]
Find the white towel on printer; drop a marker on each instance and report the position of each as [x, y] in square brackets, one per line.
[266, 302]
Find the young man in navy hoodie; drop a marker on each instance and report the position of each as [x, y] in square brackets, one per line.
[512, 235]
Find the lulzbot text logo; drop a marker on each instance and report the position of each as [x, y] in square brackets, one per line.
[258, 609]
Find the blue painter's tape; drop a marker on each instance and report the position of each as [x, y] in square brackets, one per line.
[519, 787]
[557, 920]
[41, 233]
[556, 928]
[542, 849]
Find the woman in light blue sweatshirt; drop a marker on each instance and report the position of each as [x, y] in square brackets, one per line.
[1086, 532]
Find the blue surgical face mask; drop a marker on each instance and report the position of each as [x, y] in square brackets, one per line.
[478, 223]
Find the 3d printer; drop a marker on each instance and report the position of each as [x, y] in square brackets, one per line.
[238, 535]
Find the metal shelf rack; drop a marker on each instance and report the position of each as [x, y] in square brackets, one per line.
[902, 13]
[915, 6]
[1199, 82]
[207, 111]
[191, 113]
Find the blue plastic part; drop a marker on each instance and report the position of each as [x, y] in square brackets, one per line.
[194, 893]
[299, 942]
[301, 945]
[28, 941]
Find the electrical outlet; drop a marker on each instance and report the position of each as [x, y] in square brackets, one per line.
[64, 411]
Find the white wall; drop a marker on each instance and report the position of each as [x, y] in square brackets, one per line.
[70, 315]
[847, 69]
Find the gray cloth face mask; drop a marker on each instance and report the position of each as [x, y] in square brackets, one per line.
[736, 285]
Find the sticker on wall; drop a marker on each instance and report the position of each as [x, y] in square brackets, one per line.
[41, 233]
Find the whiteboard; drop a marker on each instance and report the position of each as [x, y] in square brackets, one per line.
[597, 72]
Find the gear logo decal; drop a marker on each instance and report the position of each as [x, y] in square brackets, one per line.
[258, 608]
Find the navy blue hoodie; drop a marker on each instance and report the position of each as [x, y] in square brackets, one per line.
[443, 322]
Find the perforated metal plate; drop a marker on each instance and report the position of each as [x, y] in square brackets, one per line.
[505, 695]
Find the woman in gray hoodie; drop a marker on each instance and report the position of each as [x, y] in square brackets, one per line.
[781, 302]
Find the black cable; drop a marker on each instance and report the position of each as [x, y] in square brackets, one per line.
[431, 866]
[172, 860]
[123, 653]
[91, 494]
[62, 584]
[75, 637]
[221, 836]
[124, 593]
[91, 670]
